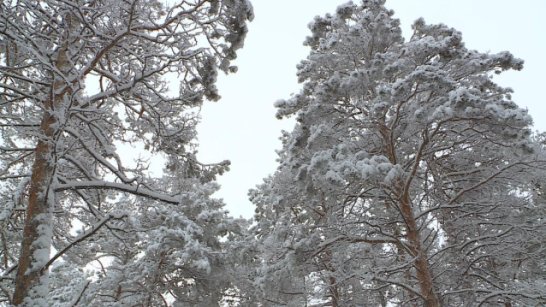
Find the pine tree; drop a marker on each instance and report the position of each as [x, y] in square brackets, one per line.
[80, 81]
[408, 178]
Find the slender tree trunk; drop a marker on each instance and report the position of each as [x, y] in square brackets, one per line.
[37, 232]
[334, 294]
[331, 280]
[403, 257]
[423, 272]
[424, 276]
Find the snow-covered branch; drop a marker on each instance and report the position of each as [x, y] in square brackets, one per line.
[104, 185]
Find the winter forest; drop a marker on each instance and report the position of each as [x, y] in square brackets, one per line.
[410, 177]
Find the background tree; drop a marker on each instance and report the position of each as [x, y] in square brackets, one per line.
[408, 178]
[80, 80]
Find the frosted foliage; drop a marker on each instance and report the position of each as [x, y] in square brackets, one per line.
[38, 294]
[66, 282]
[409, 179]
[176, 249]
[82, 83]
[331, 168]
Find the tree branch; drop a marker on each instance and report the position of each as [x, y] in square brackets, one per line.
[135, 190]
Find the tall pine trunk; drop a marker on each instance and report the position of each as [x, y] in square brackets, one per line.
[413, 233]
[30, 283]
[36, 243]
[422, 267]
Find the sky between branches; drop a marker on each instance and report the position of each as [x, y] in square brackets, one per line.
[242, 126]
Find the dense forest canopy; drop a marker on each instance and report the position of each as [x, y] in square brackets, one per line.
[410, 178]
[69, 197]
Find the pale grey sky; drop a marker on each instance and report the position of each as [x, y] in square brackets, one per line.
[242, 127]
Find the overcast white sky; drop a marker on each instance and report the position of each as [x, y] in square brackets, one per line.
[242, 127]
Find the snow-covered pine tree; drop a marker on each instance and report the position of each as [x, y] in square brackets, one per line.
[79, 80]
[408, 178]
[163, 254]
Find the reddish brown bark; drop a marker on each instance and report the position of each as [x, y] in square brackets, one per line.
[421, 265]
[332, 282]
[37, 215]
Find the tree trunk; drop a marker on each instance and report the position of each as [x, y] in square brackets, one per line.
[332, 282]
[424, 276]
[423, 272]
[334, 293]
[37, 233]
[37, 230]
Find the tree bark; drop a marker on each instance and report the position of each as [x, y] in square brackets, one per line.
[421, 265]
[37, 235]
[334, 293]
[424, 276]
